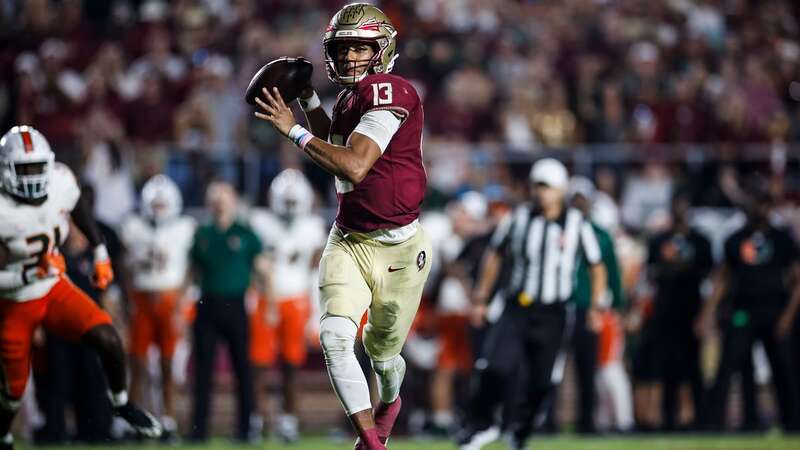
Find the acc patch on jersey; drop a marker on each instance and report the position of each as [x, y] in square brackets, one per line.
[421, 257]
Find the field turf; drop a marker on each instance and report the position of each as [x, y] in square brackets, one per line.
[566, 442]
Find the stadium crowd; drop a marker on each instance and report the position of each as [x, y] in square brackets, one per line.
[656, 102]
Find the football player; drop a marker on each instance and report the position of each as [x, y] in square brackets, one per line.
[293, 237]
[377, 254]
[158, 243]
[37, 199]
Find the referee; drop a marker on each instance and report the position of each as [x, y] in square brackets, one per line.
[524, 349]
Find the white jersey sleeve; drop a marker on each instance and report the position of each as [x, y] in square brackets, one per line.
[380, 126]
[64, 187]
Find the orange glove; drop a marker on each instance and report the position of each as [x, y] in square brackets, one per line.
[52, 265]
[103, 273]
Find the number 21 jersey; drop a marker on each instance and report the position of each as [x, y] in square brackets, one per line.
[32, 231]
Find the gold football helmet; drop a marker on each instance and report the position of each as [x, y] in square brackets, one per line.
[360, 22]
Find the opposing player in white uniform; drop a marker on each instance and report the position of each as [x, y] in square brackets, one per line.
[37, 200]
[158, 242]
[293, 238]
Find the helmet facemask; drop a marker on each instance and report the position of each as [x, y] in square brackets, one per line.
[28, 180]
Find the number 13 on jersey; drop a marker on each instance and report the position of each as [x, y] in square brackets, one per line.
[381, 94]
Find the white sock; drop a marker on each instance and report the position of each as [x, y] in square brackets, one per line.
[337, 335]
[443, 419]
[390, 375]
[118, 398]
[169, 423]
[8, 438]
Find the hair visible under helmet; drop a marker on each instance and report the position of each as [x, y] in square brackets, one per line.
[360, 22]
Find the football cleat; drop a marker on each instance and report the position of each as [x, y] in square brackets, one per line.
[288, 428]
[477, 439]
[140, 420]
[385, 417]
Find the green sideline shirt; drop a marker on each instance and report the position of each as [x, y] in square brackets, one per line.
[582, 296]
[224, 259]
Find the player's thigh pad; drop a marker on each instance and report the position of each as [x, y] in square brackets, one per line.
[71, 312]
[396, 294]
[342, 287]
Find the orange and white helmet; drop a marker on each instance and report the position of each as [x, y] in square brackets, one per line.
[26, 162]
[161, 199]
[290, 193]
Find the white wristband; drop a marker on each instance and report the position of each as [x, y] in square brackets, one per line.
[300, 136]
[101, 253]
[310, 103]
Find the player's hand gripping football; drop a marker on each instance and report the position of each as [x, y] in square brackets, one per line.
[103, 273]
[275, 111]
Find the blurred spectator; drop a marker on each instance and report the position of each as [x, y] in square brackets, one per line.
[149, 117]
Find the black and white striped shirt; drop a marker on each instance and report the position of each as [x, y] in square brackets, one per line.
[545, 252]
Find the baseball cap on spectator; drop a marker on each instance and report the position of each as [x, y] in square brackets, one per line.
[582, 186]
[551, 172]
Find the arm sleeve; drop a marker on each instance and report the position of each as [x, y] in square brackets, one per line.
[591, 248]
[380, 126]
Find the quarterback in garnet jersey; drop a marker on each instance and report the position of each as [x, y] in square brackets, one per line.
[376, 258]
[37, 199]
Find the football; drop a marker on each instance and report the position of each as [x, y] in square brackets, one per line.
[289, 75]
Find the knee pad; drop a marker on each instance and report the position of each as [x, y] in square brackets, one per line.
[337, 336]
[395, 365]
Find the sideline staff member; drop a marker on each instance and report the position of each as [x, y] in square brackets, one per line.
[223, 256]
[761, 272]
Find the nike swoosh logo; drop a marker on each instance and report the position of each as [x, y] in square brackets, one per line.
[391, 269]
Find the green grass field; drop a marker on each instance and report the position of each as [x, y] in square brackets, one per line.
[727, 442]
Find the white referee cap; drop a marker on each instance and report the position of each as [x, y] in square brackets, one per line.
[551, 172]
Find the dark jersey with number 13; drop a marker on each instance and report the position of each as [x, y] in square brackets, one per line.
[391, 194]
